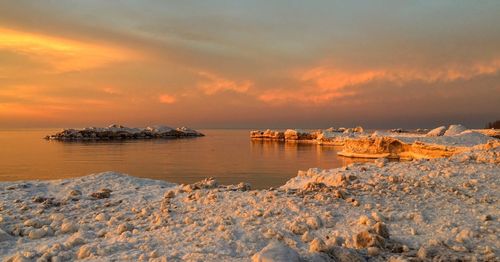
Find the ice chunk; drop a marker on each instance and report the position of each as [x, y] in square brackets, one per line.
[454, 130]
[276, 252]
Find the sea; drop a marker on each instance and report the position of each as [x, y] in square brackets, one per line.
[228, 155]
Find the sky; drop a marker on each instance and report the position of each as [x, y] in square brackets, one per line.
[249, 64]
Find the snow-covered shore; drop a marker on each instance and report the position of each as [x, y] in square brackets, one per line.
[397, 143]
[442, 208]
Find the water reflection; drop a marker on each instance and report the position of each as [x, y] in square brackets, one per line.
[228, 155]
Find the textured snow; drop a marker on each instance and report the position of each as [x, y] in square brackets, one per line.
[438, 131]
[464, 139]
[159, 129]
[454, 130]
[456, 136]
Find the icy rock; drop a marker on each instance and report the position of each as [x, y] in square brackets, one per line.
[366, 239]
[124, 227]
[56, 217]
[454, 130]
[4, 236]
[268, 134]
[317, 245]
[326, 134]
[19, 258]
[159, 129]
[313, 222]
[358, 129]
[381, 162]
[485, 218]
[85, 251]
[364, 220]
[68, 227]
[298, 134]
[377, 216]
[464, 235]
[307, 237]
[37, 233]
[373, 251]
[101, 217]
[243, 186]
[381, 230]
[276, 252]
[438, 131]
[206, 183]
[33, 223]
[169, 194]
[188, 131]
[426, 253]
[104, 193]
[297, 227]
[340, 254]
[75, 193]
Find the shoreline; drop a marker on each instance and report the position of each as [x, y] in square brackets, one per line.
[394, 144]
[422, 209]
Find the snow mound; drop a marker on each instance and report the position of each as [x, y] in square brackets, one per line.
[380, 133]
[438, 131]
[454, 130]
[298, 134]
[276, 252]
[326, 134]
[471, 138]
[159, 129]
[187, 130]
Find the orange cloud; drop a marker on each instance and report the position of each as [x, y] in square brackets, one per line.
[323, 83]
[112, 91]
[29, 101]
[214, 84]
[167, 99]
[60, 54]
[303, 96]
[32, 111]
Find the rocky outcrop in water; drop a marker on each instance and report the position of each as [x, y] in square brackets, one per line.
[118, 132]
[396, 143]
[267, 134]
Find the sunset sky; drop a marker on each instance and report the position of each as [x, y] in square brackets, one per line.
[380, 64]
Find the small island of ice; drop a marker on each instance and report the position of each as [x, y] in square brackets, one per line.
[119, 132]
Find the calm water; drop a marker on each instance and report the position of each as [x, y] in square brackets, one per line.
[228, 155]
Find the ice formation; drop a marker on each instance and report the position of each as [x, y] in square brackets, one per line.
[118, 132]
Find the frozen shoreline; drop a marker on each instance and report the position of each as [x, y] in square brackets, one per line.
[444, 207]
[396, 144]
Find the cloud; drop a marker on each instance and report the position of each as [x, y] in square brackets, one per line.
[112, 90]
[322, 84]
[213, 83]
[270, 65]
[61, 55]
[167, 99]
